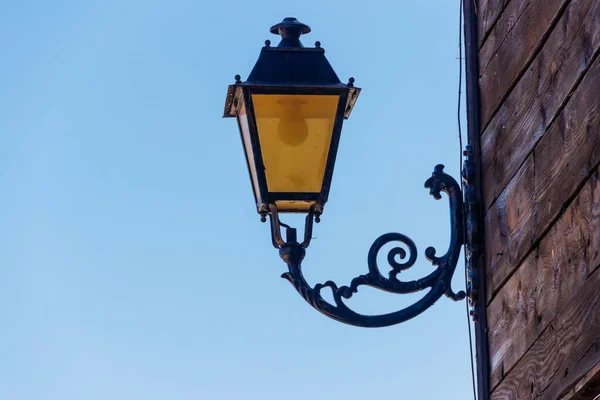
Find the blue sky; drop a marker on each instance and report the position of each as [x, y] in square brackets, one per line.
[133, 263]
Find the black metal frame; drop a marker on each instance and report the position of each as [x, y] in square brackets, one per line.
[438, 281]
[290, 69]
[266, 196]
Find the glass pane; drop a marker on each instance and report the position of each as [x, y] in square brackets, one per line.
[245, 129]
[292, 205]
[295, 134]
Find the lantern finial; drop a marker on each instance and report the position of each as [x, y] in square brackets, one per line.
[290, 30]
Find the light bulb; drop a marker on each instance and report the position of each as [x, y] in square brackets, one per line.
[292, 128]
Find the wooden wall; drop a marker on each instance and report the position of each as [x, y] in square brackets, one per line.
[539, 81]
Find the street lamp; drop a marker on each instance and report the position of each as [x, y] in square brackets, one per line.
[290, 113]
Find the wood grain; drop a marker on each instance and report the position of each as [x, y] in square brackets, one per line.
[488, 12]
[567, 349]
[520, 30]
[569, 151]
[547, 279]
[539, 95]
[588, 387]
[560, 163]
[508, 228]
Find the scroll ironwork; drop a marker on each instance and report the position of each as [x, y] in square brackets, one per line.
[438, 281]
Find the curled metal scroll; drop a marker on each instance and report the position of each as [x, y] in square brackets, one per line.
[438, 281]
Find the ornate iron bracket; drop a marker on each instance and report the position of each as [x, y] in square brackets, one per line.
[473, 243]
[438, 281]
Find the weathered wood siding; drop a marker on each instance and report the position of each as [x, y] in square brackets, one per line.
[539, 81]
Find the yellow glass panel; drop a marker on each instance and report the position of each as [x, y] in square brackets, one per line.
[292, 205]
[295, 134]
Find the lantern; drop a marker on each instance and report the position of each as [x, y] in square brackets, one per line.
[290, 113]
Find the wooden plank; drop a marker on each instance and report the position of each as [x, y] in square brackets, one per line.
[569, 151]
[507, 228]
[504, 23]
[488, 12]
[588, 387]
[520, 30]
[562, 160]
[564, 353]
[539, 95]
[547, 279]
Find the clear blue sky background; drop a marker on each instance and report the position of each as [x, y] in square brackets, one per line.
[132, 262]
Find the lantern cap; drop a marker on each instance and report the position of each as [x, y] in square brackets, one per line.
[290, 30]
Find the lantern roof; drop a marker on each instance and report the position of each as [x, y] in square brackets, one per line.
[292, 65]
